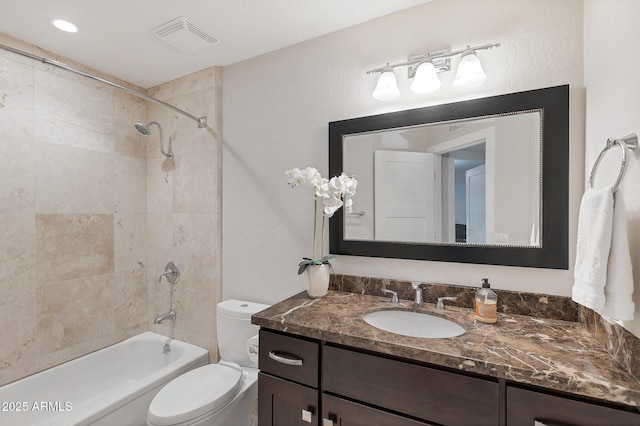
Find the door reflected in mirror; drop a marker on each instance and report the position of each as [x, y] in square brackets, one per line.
[468, 182]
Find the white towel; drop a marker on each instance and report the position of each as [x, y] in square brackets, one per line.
[619, 288]
[593, 245]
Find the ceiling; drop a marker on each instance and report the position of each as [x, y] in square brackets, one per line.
[115, 35]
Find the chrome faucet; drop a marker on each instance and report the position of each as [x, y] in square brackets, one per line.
[394, 296]
[171, 315]
[440, 304]
[417, 288]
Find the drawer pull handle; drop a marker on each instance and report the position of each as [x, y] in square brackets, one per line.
[327, 422]
[284, 359]
[538, 422]
[307, 416]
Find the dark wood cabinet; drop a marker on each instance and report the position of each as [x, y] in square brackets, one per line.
[305, 382]
[284, 403]
[421, 392]
[528, 408]
[341, 412]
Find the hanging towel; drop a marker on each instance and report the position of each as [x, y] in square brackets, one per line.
[619, 288]
[594, 242]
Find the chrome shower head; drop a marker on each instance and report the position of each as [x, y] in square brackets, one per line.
[143, 128]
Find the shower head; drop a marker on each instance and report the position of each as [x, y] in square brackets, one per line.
[144, 129]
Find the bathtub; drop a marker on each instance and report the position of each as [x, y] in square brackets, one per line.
[113, 386]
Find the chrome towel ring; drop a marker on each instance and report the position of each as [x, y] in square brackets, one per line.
[629, 141]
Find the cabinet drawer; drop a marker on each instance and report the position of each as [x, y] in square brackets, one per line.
[289, 357]
[422, 392]
[338, 411]
[526, 408]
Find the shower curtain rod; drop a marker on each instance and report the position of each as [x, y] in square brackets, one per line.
[202, 121]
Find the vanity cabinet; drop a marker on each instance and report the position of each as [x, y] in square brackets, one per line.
[528, 408]
[306, 382]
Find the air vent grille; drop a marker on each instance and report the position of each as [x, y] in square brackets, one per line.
[184, 35]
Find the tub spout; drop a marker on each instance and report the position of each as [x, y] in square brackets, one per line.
[169, 315]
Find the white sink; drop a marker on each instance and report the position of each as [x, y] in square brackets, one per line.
[413, 324]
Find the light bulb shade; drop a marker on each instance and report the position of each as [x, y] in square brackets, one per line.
[387, 87]
[470, 73]
[426, 79]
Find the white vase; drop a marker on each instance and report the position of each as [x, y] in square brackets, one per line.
[316, 280]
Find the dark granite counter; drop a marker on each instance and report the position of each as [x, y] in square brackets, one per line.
[554, 354]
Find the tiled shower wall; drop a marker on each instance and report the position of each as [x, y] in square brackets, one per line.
[183, 201]
[86, 230]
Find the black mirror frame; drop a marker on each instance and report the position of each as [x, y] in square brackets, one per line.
[554, 253]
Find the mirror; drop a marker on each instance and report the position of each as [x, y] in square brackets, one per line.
[480, 181]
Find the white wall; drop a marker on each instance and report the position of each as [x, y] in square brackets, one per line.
[276, 108]
[611, 65]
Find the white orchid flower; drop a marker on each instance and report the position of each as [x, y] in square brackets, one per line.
[332, 193]
[307, 176]
[331, 205]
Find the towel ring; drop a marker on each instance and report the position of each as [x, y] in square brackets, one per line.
[629, 141]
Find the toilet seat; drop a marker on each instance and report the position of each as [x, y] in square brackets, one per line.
[197, 393]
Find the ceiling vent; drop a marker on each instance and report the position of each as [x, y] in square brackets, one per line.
[185, 35]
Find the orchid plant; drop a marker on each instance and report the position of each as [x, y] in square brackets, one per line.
[332, 193]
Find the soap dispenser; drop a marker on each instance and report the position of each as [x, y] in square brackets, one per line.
[486, 303]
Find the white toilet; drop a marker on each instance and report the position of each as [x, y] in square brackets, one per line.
[221, 394]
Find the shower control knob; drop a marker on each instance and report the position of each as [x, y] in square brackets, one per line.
[172, 273]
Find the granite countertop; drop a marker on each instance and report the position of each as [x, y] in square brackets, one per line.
[554, 354]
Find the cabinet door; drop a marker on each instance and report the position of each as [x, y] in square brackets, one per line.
[283, 403]
[421, 392]
[529, 408]
[340, 412]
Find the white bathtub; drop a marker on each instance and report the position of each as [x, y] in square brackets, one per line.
[111, 387]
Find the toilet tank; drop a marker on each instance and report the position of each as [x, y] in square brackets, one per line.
[234, 329]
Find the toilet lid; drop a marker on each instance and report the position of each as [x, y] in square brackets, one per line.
[195, 393]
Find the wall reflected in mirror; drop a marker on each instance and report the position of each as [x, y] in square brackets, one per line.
[473, 181]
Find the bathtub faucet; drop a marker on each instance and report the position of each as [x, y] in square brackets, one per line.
[169, 315]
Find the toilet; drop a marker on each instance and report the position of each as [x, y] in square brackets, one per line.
[221, 394]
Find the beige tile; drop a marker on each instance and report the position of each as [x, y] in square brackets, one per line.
[130, 189]
[60, 132]
[71, 180]
[199, 80]
[188, 136]
[74, 312]
[130, 241]
[17, 183]
[160, 178]
[127, 111]
[131, 302]
[73, 246]
[16, 98]
[73, 102]
[18, 240]
[195, 183]
[18, 319]
[163, 92]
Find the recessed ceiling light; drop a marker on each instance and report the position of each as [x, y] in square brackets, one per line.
[63, 25]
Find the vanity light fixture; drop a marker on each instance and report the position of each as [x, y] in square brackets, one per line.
[64, 25]
[387, 87]
[424, 68]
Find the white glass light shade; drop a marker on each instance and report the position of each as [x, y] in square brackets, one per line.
[426, 79]
[470, 73]
[387, 87]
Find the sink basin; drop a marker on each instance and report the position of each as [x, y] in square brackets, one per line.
[413, 324]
